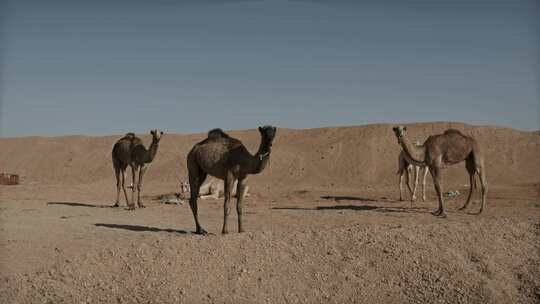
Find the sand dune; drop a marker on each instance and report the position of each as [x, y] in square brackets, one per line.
[327, 157]
[324, 225]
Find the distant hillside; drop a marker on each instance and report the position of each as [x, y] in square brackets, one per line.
[345, 157]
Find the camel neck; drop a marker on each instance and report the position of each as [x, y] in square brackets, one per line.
[414, 152]
[152, 151]
[260, 160]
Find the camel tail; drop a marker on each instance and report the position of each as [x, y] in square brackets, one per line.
[217, 133]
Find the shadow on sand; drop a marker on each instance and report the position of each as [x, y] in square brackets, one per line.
[337, 207]
[138, 228]
[347, 198]
[72, 204]
[356, 208]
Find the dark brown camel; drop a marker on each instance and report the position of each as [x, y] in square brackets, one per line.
[226, 158]
[130, 151]
[442, 150]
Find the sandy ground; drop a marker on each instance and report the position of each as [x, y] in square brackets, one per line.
[314, 237]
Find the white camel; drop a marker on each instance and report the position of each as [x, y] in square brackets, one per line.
[407, 168]
[212, 188]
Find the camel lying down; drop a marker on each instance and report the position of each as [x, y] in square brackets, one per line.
[213, 189]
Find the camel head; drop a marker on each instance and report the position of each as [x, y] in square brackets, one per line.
[268, 133]
[400, 132]
[156, 135]
[184, 187]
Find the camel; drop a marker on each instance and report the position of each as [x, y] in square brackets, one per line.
[407, 168]
[442, 150]
[226, 158]
[212, 188]
[130, 151]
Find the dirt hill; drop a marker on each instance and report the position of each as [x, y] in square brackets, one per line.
[360, 156]
[323, 225]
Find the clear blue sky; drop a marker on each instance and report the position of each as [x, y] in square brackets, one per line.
[108, 67]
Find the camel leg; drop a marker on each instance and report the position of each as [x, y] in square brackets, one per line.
[416, 170]
[424, 184]
[482, 175]
[402, 166]
[124, 185]
[196, 179]
[134, 175]
[471, 169]
[118, 185]
[471, 182]
[407, 181]
[139, 186]
[229, 180]
[401, 186]
[240, 194]
[436, 174]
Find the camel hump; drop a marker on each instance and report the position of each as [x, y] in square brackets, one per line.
[453, 132]
[130, 136]
[217, 133]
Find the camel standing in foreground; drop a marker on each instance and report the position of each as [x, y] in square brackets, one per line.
[442, 150]
[130, 151]
[407, 168]
[226, 158]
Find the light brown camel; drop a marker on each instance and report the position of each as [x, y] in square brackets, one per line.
[226, 158]
[407, 169]
[442, 150]
[130, 151]
[212, 188]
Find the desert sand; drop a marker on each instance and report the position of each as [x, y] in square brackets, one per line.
[324, 225]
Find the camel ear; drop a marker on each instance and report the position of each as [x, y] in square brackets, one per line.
[404, 128]
[152, 132]
[161, 133]
[260, 129]
[394, 128]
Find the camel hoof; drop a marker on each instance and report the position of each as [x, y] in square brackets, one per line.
[201, 231]
[116, 205]
[224, 232]
[439, 213]
[131, 208]
[142, 206]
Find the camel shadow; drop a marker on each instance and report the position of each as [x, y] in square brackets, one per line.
[356, 208]
[347, 207]
[72, 204]
[336, 207]
[347, 198]
[139, 228]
